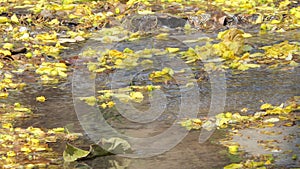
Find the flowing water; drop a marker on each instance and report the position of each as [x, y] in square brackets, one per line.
[243, 90]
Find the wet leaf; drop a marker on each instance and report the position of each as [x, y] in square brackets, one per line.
[72, 153]
[162, 76]
[234, 166]
[172, 50]
[3, 19]
[233, 149]
[136, 96]
[14, 18]
[271, 120]
[116, 145]
[208, 125]
[163, 36]
[192, 124]
[89, 100]
[294, 64]
[266, 106]
[41, 99]
[3, 95]
[254, 164]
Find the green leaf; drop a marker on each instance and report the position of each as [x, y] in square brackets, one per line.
[97, 151]
[117, 145]
[72, 153]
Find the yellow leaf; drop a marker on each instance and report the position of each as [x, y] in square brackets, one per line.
[167, 70]
[3, 19]
[66, 2]
[233, 149]
[28, 55]
[243, 67]
[59, 129]
[11, 154]
[234, 166]
[89, 100]
[17, 105]
[288, 124]
[136, 96]
[294, 64]
[3, 94]
[5, 52]
[47, 38]
[271, 120]
[252, 65]
[172, 50]
[62, 74]
[274, 21]
[8, 46]
[7, 125]
[110, 104]
[228, 115]
[103, 105]
[54, 22]
[145, 12]
[22, 109]
[259, 19]
[41, 99]
[266, 106]
[26, 149]
[14, 18]
[72, 16]
[162, 36]
[246, 35]
[117, 10]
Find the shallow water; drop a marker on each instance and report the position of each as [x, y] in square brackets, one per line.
[243, 90]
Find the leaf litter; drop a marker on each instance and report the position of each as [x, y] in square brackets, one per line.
[35, 40]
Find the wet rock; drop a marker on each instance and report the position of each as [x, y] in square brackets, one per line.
[151, 22]
[47, 14]
[18, 50]
[171, 22]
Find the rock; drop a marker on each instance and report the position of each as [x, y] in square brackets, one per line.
[151, 22]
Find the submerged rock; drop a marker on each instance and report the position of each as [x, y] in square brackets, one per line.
[150, 22]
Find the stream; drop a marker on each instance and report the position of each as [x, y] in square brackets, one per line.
[248, 89]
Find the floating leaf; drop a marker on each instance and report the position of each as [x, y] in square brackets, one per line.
[136, 96]
[172, 50]
[89, 100]
[208, 125]
[233, 149]
[41, 99]
[162, 76]
[192, 124]
[266, 106]
[116, 145]
[234, 166]
[163, 36]
[72, 153]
